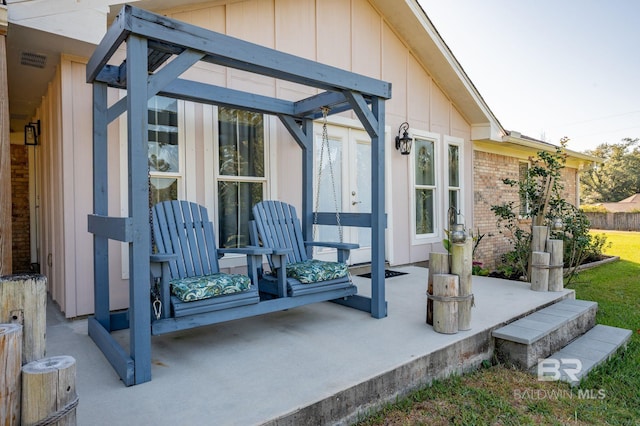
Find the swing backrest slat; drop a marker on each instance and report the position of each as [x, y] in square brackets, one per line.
[183, 228]
[279, 227]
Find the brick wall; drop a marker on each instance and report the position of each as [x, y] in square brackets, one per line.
[21, 249]
[488, 172]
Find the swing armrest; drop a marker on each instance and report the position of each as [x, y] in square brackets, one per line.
[159, 267]
[248, 250]
[160, 258]
[278, 262]
[254, 259]
[339, 246]
[159, 261]
[342, 248]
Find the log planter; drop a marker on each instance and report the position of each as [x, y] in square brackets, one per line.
[540, 271]
[438, 264]
[23, 300]
[462, 266]
[49, 391]
[555, 248]
[445, 304]
[10, 382]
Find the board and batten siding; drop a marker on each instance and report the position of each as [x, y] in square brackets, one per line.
[348, 34]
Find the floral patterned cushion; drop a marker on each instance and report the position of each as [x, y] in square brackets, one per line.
[204, 287]
[313, 271]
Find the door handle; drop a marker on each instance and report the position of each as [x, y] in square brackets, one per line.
[353, 203]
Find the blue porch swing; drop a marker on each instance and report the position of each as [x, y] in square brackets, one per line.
[158, 51]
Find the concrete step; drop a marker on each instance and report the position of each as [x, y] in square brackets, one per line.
[523, 342]
[574, 361]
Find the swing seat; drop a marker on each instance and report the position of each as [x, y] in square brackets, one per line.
[277, 227]
[186, 263]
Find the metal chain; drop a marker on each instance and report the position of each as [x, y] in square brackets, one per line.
[325, 143]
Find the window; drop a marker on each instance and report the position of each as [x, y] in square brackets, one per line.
[164, 155]
[454, 177]
[241, 176]
[438, 179]
[425, 186]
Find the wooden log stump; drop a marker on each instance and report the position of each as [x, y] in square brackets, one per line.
[445, 306]
[556, 263]
[540, 271]
[438, 264]
[49, 391]
[538, 241]
[10, 381]
[462, 266]
[23, 300]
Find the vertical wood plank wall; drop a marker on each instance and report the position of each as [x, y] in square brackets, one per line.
[5, 160]
[348, 34]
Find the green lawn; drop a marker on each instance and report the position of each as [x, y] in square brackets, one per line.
[499, 395]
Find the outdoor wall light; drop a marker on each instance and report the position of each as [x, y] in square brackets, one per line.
[403, 143]
[31, 133]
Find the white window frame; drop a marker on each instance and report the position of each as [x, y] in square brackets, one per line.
[419, 239]
[210, 127]
[184, 163]
[459, 142]
[185, 118]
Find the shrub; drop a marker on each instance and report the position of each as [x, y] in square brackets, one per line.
[542, 189]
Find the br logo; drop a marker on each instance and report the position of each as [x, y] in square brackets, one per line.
[551, 369]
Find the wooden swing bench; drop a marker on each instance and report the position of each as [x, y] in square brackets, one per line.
[188, 289]
[277, 227]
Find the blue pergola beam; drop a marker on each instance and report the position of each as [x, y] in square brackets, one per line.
[232, 52]
[150, 41]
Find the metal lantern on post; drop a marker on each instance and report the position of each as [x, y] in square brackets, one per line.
[457, 233]
[557, 224]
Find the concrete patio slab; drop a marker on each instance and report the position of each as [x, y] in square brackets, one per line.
[323, 362]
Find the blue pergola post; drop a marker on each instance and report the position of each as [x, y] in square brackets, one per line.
[307, 182]
[378, 302]
[140, 246]
[158, 51]
[100, 205]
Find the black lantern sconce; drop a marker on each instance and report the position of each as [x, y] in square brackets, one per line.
[32, 133]
[403, 143]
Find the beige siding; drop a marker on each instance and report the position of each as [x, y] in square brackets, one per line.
[349, 34]
[366, 53]
[52, 257]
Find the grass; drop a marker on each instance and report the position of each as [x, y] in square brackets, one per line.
[498, 395]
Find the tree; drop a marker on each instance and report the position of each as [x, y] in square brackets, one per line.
[617, 178]
[542, 189]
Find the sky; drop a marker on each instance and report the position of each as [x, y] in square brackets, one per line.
[550, 68]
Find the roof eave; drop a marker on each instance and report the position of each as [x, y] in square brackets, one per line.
[412, 24]
[544, 146]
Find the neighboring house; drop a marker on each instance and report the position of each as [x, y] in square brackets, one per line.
[628, 205]
[460, 151]
[621, 216]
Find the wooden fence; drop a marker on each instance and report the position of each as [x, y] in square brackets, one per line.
[614, 221]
